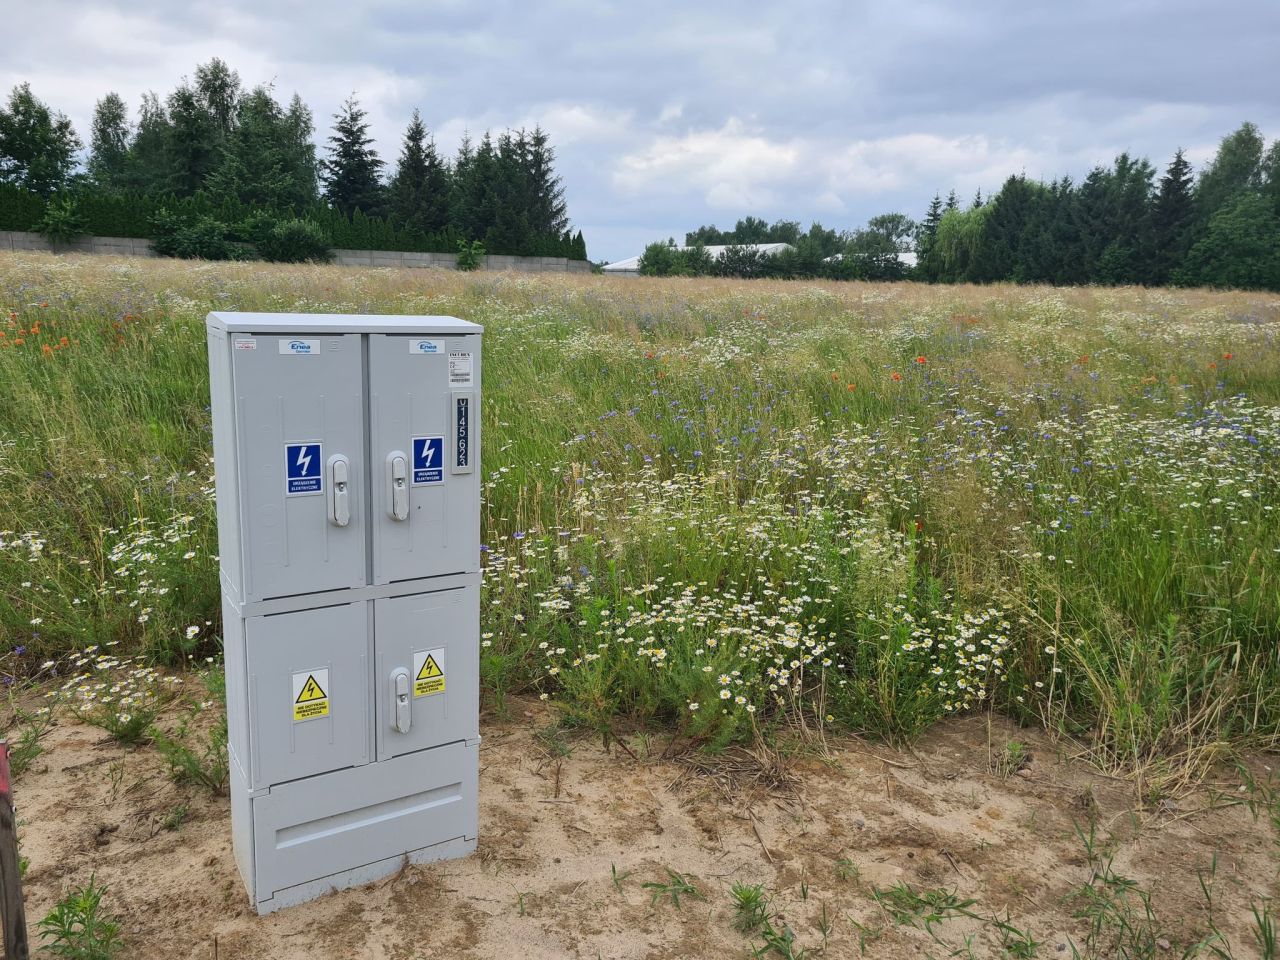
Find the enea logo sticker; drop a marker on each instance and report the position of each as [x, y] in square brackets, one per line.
[421, 347]
[299, 348]
[302, 469]
[428, 460]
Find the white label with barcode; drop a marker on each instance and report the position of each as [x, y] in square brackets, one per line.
[460, 370]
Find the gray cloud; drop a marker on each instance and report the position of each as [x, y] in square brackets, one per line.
[668, 115]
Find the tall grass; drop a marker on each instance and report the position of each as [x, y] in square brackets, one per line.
[718, 506]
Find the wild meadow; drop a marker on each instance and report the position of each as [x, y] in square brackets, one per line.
[722, 508]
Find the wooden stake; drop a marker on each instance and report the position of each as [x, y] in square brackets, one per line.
[13, 918]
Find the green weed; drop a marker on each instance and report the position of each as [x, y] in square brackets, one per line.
[31, 726]
[1264, 930]
[1011, 758]
[79, 929]
[847, 871]
[176, 817]
[750, 906]
[911, 907]
[778, 943]
[617, 877]
[1017, 944]
[675, 887]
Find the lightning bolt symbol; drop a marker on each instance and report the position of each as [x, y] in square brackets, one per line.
[304, 459]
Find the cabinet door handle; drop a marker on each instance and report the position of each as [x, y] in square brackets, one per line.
[398, 485]
[401, 718]
[339, 490]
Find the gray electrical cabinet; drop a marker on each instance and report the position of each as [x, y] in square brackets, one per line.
[347, 460]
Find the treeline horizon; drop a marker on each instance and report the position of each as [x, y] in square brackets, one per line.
[213, 143]
[1120, 225]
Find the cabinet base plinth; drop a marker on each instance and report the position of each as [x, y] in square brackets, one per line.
[303, 892]
[303, 839]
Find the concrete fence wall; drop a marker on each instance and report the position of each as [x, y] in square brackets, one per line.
[447, 261]
[14, 240]
[119, 246]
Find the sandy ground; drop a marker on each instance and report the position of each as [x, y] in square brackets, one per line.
[554, 829]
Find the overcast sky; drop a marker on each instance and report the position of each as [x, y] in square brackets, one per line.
[670, 115]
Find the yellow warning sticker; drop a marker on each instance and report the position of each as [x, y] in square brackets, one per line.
[310, 694]
[428, 672]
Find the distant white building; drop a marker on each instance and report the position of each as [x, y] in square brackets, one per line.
[715, 252]
[907, 258]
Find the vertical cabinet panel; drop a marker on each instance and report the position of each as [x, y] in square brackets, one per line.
[413, 382]
[299, 404]
[308, 675]
[434, 639]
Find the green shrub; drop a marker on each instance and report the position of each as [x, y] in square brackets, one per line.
[659, 260]
[255, 228]
[200, 239]
[62, 221]
[470, 255]
[295, 241]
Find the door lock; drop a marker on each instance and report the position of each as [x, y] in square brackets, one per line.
[339, 490]
[398, 485]
[400, 717]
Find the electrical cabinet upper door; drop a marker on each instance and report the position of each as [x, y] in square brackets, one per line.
[425, 455]
[300, 438]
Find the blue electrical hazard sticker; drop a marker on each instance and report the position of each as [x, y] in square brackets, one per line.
[302, 468]
[428, 460]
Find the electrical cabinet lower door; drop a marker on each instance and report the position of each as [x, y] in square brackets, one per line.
[427, 670]
[308, 692]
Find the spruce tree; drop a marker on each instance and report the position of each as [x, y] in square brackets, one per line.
[1127, 254]
[926, 239]
[1055, 262]
[548, 212]
[109, 143]
[1172, 218]
[511, 198]
[475, 178]
[300, 149]
[953, 202]
[1008, 215]
[37, 146]
[1092, 219]
[352, 171]
[420, 188]
[460, 187]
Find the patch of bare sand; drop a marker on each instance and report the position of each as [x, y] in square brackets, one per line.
[554, 829]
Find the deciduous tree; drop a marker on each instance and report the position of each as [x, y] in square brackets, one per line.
[37, 146]
[109, 143]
